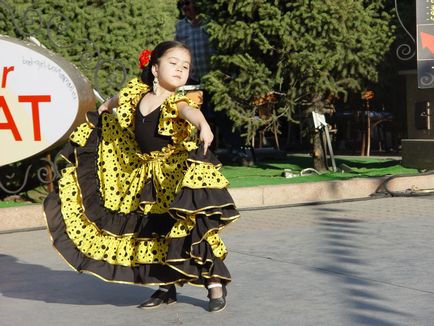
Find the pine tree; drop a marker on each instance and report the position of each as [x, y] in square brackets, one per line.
[300, 52]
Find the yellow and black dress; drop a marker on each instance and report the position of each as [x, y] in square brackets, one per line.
[142, 210]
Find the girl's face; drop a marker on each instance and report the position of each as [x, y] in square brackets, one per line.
[173, 68]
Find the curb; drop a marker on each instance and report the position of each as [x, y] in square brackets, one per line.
[21, 218]
[325, 191]
[14, 219]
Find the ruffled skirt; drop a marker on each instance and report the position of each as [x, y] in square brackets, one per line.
[141, 219]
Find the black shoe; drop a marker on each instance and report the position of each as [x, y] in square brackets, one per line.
[160, 297]
[218, 304]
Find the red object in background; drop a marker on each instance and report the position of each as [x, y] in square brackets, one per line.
[427, 41]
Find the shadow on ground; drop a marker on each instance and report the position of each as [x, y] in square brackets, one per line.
[36, 282]
[340, 241]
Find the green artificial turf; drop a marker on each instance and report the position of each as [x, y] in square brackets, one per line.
[5, 204]
[271, 173]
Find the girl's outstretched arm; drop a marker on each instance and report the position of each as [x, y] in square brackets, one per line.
[196, 117]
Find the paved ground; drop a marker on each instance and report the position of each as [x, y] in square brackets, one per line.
[354, 263]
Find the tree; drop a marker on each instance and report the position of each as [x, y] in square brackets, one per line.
[303, 52]
[100, 37]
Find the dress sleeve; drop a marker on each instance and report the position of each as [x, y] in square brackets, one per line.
[170, 123]
[129, 98]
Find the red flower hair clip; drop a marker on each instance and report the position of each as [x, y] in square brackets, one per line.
[144, 58]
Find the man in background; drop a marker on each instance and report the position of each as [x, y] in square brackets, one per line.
[190, 31]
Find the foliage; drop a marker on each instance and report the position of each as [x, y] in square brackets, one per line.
[100, 37]
[299, 51]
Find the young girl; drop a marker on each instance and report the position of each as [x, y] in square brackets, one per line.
[141, 201]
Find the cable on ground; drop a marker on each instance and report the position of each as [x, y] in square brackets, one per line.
[385, 191]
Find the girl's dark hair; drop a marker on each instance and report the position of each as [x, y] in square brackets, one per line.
[146, 75]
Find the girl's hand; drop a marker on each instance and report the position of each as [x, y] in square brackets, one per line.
[103, 108]
[206, 136]
[108, 105]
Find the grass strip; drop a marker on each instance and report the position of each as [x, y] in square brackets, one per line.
[271, 173]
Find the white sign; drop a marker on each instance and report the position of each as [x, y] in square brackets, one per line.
[319, 120]
[42, 98]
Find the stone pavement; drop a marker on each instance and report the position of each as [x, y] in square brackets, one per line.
[365, 262]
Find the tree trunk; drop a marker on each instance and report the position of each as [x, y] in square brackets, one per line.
[319, 154]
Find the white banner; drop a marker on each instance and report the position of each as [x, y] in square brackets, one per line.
[42, 98]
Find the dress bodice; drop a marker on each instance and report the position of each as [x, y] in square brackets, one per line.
[146, 132]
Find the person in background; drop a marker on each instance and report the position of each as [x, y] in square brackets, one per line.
[191, 32]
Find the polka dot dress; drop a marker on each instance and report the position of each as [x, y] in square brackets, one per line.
[131, 217]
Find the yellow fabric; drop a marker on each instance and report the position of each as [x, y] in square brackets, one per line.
[203, 175]
[81, 134]
[129, 97]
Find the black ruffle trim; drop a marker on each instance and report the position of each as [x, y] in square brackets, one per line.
[148, 193]
[208, 201]
[197, 155]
